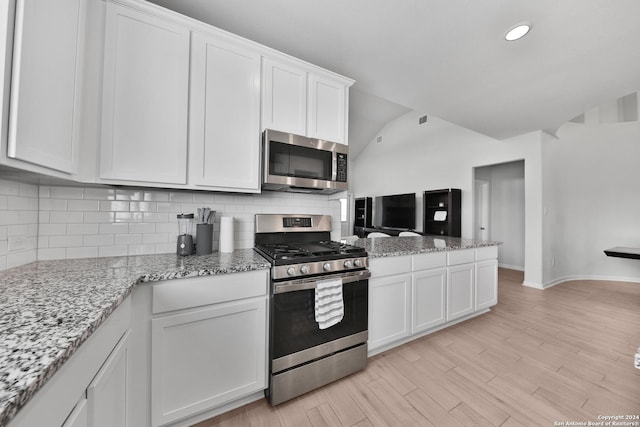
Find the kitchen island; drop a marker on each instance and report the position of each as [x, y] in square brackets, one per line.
[421, 284]
[50, 308]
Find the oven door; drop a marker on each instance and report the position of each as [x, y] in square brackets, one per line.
[295, 335]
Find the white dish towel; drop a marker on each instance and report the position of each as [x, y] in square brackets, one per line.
[329, 303]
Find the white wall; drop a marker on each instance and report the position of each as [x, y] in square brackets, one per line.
[592, 201]
[439, 154]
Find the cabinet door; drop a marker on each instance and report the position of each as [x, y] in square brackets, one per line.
[145, 94]
[429, 290]
[327, 112]
[224, 140]
[107, 394]
[486, 284]
[284, 98]
[79, 416]
[204, 358]
[389, 309]
[460, 298]
[45, 91]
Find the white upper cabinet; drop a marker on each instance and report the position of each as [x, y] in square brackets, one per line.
[45, 85]
[304, 101]
[145, 98]
[284, 105]
[327, 109]
[224, 120]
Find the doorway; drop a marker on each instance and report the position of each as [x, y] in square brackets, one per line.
[498, 210]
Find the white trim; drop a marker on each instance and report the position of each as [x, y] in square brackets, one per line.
[533, 285]
[511, 267]
[555, 282]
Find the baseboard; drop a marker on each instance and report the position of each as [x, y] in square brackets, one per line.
[576, 277]
[511, 267]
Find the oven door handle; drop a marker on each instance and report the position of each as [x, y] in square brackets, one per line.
[310, 283]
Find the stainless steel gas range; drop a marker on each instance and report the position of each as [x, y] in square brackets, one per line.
[318, 304]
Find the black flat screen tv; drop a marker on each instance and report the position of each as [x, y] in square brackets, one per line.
[395, 211]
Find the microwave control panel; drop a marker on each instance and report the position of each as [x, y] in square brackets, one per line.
[341, 168]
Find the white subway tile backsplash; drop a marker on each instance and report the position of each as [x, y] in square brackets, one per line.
[64, 241]
[52, 229]
[114, 228]
[58, 217]
[53, 205]
[125, 194]
[143, 206]
[9, 188]
[119, 250]
[66, 192]
[45, 254]
[98, 240]
[170, 207]
[75, 222]
[155, 238]
[128, 239]
[181, 196]
[99, 193]
[83, 252]
[84, 205]
[156, 196]
[114, 206]
[83, 229]
[145, 228]
[99, 217]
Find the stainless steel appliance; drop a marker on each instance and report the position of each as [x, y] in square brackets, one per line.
[300, 164]
[302, 356]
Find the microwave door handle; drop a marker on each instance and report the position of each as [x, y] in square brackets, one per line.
[306, 284]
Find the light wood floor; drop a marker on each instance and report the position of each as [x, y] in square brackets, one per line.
[539, 357]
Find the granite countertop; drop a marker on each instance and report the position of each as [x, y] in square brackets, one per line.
[49, 308]
[379, 247]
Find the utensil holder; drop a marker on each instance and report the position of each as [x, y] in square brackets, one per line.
[204, 239]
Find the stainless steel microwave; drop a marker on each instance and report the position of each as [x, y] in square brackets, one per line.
[300, 164]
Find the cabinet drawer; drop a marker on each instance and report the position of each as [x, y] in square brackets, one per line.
[427, 261]
[380, 267]
[489, 252]
[462, 256]
[197, 291]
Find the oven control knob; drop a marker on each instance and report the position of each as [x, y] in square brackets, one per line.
[348, 264]
[357, 263]
[304, 269]
[291, 271]
[326, 267]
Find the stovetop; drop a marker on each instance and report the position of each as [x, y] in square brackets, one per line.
[290, 253]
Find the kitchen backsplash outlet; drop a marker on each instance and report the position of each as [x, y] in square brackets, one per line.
[79, 222]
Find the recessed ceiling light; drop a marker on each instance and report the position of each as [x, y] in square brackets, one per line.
[517, 32]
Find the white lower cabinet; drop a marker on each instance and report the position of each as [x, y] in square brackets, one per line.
[389, 309]
[410, 296]
[79, 416]
[460, 292]
[206, 356]
[486, 282]
[429, 290]
[107, 394]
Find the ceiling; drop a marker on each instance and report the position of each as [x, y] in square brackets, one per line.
[449, 58]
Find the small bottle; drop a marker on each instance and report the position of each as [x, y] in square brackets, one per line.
[637, 359]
